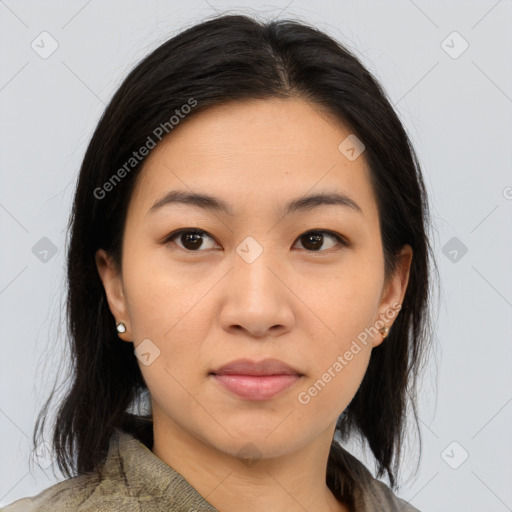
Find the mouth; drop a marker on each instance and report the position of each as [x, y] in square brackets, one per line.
[256, 381]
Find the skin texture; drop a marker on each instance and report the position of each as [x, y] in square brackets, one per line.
[206, 307]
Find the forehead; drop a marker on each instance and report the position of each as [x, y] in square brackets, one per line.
[255, 150]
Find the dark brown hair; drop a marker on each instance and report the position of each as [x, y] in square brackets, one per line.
[225, 59]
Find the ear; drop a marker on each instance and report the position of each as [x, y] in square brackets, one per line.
[113, 284]
[394, 291]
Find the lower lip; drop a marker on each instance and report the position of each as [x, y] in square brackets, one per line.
[256, 387]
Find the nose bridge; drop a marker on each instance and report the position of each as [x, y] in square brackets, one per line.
[255, 298]
[252, 265]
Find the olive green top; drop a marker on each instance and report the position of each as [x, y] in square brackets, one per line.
[134, 478]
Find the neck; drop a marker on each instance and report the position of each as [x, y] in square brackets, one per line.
[288, 483]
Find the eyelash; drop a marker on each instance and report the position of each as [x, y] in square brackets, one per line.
[170, 238]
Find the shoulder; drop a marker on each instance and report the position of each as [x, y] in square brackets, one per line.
[83, 493]
[65, 495]
[369, 493]
[130, 478]
[378, 496]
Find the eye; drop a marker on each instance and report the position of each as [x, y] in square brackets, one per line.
[191, 239]
[313, 240]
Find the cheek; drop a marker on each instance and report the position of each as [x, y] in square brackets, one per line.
[166, 308]
[331, 388]
[347, 307]
[347, 304]
[158, 297]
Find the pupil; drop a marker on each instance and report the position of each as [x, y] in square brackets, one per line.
[316, 239]
[313, 241]
[194, 238]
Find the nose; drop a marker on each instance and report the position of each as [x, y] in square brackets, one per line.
[256, 298]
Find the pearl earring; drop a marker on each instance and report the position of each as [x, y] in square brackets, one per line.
[384, 331]
[121, 327]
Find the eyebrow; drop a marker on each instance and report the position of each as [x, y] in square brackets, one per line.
[214, 204]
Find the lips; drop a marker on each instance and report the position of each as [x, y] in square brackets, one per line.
[262, 368]
[256, 381]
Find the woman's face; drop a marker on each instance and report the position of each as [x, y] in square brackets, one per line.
[249, 282]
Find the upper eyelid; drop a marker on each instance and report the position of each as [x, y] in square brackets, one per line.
[340, 238]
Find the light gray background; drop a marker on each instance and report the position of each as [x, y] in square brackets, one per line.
[458, 112]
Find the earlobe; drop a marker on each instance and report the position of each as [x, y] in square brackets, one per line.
[113, 285]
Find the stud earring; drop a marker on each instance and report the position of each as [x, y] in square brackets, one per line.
[121, 327]
[384, 331]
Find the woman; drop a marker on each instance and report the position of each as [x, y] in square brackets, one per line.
[249, 260]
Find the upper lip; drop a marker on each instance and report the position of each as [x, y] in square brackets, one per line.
[249, 367]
